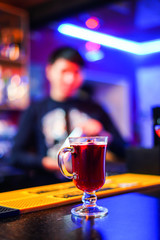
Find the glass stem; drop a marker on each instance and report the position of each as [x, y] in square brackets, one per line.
[89, 199]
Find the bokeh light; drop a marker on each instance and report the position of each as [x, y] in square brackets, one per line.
[93, 56]
[92, 23]
[91, 46]
[16, 79]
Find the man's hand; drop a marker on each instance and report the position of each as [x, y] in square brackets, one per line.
[91, 127]
[50, 164]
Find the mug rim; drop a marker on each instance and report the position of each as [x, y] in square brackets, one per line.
[101, 138]
[91, 137]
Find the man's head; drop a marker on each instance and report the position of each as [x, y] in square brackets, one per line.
[64, 72]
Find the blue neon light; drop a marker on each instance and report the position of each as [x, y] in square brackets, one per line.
[110, 41]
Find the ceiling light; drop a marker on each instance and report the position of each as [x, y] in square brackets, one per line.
[142, 48]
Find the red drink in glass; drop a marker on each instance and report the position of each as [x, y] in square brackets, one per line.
[88, 164]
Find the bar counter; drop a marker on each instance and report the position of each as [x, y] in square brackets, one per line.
[133, 215]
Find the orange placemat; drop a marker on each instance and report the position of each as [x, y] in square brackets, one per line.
[43, 197]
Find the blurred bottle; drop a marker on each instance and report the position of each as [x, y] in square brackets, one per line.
[156, 125]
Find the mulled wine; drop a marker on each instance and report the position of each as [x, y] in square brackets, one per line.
[88, 165]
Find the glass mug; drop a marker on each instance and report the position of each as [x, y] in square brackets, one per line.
[88, 171]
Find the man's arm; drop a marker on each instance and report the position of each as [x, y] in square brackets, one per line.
[23, 150]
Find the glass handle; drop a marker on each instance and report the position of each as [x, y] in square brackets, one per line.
[61, 161]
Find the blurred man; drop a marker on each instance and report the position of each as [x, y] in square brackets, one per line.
[45, 125]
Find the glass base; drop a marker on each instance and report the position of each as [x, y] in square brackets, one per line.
[95, 212]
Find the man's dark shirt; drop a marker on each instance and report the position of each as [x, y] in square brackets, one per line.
[35, 137]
